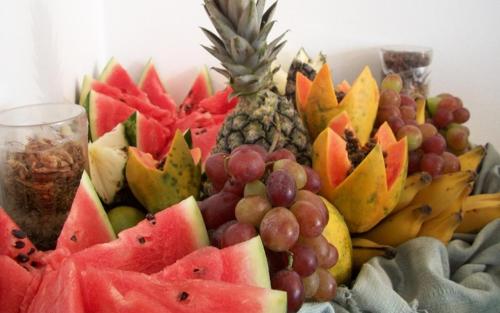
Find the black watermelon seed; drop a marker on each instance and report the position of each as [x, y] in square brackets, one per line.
[32, 250]
[73, 238]
[19, 244]
[196, 270]
[34, 264]
[22, 258]
[19, 234]
[183, 296]
[151, 218]
[141, 240]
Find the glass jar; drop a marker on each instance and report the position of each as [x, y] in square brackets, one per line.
[43, 152]
[411, 63]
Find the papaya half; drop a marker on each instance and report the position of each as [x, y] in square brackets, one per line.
[369, 192]
[160, 184]
[318, 102]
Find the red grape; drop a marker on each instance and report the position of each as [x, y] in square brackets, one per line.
[434, 144]
[432, 164]
[277, 261]
[427, 130]
[216, 236]
[236, 233]
[451, 163]
[257, 148]
[409, 102]
[305, 261]
[457, 138]
[414, 161]
[252, 209]
[311, 284]
[280, 154]
[310, 218]
[331, 258]
[389, 97]
[294, 169]
[386, 113]
[395, 122]
[281, 188]
[218, 209]
[235, 187]
[461, 115]
[246, 166]
[449, 103]
[413, 136]
[327, 289]
[408, 113]
[290, 282]
[306, 195]
[279, 229]
[392, 81]
[320, 245]
[216, 170]
[313, 183]
[442, 118]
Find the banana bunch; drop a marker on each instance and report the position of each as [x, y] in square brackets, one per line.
[431, 207]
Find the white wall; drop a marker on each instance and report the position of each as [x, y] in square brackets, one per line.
[48, 45]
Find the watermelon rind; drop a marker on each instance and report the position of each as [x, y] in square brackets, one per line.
[208, 80]
[108, 69]
[85, 89]
[257, 260]
[131, 129]
[107, 161]
[145, 72]
[197, 222]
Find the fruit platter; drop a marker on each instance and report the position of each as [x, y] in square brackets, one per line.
[270, 194]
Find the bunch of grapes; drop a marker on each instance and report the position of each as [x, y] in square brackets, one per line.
[434, 145]
[255, 192]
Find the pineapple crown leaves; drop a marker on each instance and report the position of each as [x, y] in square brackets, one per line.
[243, 27]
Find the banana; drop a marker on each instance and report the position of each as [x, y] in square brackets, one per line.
[441, 227]
[414, 183]
[443, 191]
[471, 160]
[457, 205]
[399, 227]
[481, 201]
[475, 219]
[364, 250]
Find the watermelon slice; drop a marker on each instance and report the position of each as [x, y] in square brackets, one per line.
[152, 244]
[116, 76]
[220, 103]
[151, 84]
[13, 242]
[104, 289]
[201, 89]
[205, 139]
[244, 264]
[105, 113]
[87, 223]
[14, 282]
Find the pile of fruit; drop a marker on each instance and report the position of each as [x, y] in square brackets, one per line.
[277, 172]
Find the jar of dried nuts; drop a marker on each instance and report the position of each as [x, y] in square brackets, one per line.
[43, 153]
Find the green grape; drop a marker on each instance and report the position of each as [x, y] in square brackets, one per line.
[392, 81]
[432, 104]
[252, 209]
[294, 169]
[413, 136]
[255, 188]
[311, 284]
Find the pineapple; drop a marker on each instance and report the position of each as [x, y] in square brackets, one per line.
[262, 116]
[304, 64]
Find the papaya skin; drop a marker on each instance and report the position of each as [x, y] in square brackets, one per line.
[177, 179]
[364, 197]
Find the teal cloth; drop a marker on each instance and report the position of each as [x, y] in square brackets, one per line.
[426, 276]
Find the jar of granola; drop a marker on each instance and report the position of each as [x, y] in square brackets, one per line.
[43, 152]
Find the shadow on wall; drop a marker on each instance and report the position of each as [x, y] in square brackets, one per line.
[348, 64]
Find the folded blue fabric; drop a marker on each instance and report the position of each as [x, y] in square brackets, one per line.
[426, 276]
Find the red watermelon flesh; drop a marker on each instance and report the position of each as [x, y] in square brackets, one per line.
[151, 137]
[201, 89]
[220, 103]
[59, 292]
[244, 264]
[116, 76]
[14, 242]
[150, 246]
[177, 296]
[205, 139]
[151, 84]
[14, 282]
[105, 113]
[87, 223]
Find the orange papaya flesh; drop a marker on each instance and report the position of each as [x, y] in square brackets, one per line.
[385, 137]
[337, 151]
[395, 161]
[302, 90]
[340, 123]
[146, 158]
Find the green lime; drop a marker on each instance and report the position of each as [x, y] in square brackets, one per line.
[123, 217]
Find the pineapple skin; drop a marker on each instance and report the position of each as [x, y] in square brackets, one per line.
[269, 120]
